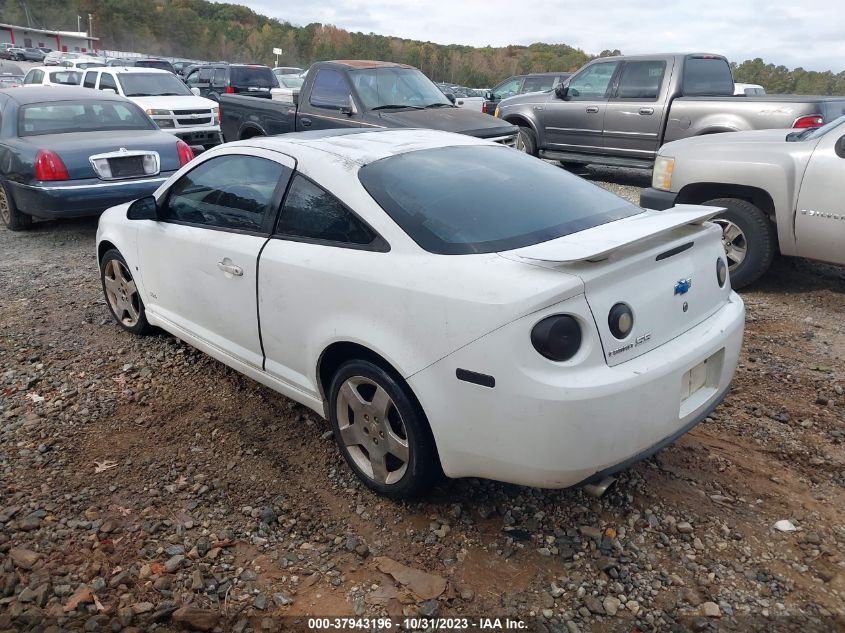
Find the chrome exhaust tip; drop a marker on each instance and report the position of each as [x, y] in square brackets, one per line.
[598, 489]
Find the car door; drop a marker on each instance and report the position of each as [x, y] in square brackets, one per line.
[199, 260]
[574, 123]
[636, 109]
[330, 96]
[820, 213]
[305, 269]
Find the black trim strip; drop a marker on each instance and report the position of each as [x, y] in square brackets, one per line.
[474, 377]
[674, 251]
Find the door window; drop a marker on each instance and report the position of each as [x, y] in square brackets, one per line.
[90, 80]
[507, 89]
[193, 79]
[218, 79]
[107, 81]
[229, 192]
[592, 83]
[539, 84]
[205, 75]
[34, 77]
[641, 80]
[330, 90]
[312, 213]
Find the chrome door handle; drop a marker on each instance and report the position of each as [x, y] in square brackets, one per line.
[592, 109]
[228, 267]
[646, 111]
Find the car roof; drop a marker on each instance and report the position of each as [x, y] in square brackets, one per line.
[61, 93]
[367, 63]
[132, 70]
[362, 146]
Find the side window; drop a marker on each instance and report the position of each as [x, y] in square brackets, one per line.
[218, 79]
[538, 84]
[312, 213]
[205, 75]
[229, 192]
[641, 80]
[329, 90]
[592, 83]
[193, 79]
[30, 77]
[507, 89]
[107, 81]
[90, 79]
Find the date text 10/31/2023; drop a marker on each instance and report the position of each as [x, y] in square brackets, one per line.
[416, 623]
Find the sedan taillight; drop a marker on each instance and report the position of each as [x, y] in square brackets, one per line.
[186, 154]
[48, 166]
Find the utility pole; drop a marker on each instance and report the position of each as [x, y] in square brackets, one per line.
[90, 25]
[79, 24]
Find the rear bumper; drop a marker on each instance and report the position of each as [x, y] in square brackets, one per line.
[78, 198]
[657, 199]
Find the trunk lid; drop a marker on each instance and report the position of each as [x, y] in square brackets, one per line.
[664, 271]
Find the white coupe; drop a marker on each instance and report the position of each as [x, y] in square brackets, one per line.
[447, 303]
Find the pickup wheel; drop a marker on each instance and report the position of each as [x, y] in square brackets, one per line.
[381, 431]
[526, 141]
[749, 239]
[12, 218]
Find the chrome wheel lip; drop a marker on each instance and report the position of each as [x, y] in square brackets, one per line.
[734, 242]
[367, 434]
[5, 210]
[121, 293]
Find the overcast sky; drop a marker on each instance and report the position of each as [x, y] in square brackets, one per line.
[806, 33]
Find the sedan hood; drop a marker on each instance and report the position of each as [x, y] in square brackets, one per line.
[448, 119]
[178, 102]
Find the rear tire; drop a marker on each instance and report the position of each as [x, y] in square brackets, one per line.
[526, 141]
[381, 431]
[12, 218]
[749, 239]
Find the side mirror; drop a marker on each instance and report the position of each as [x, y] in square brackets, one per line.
[195, 91]
[143, 209]
[561, 91]
[110, 91]
[450, 97]
[489, 96]
[349, 109]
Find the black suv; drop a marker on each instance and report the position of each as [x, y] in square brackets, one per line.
[518, 84]
[212, 80]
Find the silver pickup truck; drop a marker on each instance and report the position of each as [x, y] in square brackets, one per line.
[621, 110]
[780, 190]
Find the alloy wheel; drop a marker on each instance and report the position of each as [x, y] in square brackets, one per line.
[5, 210]
[372, 430]
[121, 292]
[734, 242]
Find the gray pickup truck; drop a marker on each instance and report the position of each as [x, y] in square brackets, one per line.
[780, 190]
[369, 94]
[621, 110]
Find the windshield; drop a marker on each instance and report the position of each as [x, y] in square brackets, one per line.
[155, 63]
[396, 87]
[815, 132]
[152, 85]
[484, 199]
[80, 116]
[66, 77]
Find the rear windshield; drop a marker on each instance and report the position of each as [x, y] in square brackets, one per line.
[707, 76]
[483, 199]
[67, 77]
[155, 63]
[260, 76]
[80, 116]
[152, 85]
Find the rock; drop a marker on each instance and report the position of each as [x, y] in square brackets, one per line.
[590, 532]
[282, 599]
[424, 585]
[785, 525]
[8, 512]
[429, 608]
[123, 578]
[142, 607]
[594, 605]
[173, 563]
[248, 575]
[195, 618]
[710, 610]
[611, 605]
[633, 606]
[24, 558]
[683, 527]
[556, 591]
[260, 601]
[197, 582]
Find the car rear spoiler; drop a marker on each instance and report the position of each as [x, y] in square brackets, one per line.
[598, 242]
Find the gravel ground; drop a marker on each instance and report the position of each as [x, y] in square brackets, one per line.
[145, 486]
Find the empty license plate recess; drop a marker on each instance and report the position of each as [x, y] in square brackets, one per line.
[700, 383]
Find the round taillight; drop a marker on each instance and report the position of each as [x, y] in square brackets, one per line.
[721, 272]
[620, 320]
[557, 337]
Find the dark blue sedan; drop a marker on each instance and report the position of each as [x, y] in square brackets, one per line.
[70, 152]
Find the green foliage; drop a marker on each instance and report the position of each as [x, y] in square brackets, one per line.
[198, 29]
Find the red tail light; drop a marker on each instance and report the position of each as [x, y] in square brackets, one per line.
[484, 107]
[48, 166]
[811, 120]
[230, 90]
[186, 154]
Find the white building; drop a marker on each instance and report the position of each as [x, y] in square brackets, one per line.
[66, 41]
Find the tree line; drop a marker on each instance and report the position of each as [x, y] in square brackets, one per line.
[198, 29]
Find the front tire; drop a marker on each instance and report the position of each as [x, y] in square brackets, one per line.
[121, 293]
[526, 141]
[749, 239]
[381, 431]
[12, 218]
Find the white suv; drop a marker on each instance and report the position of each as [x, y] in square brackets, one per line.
[165, 98]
